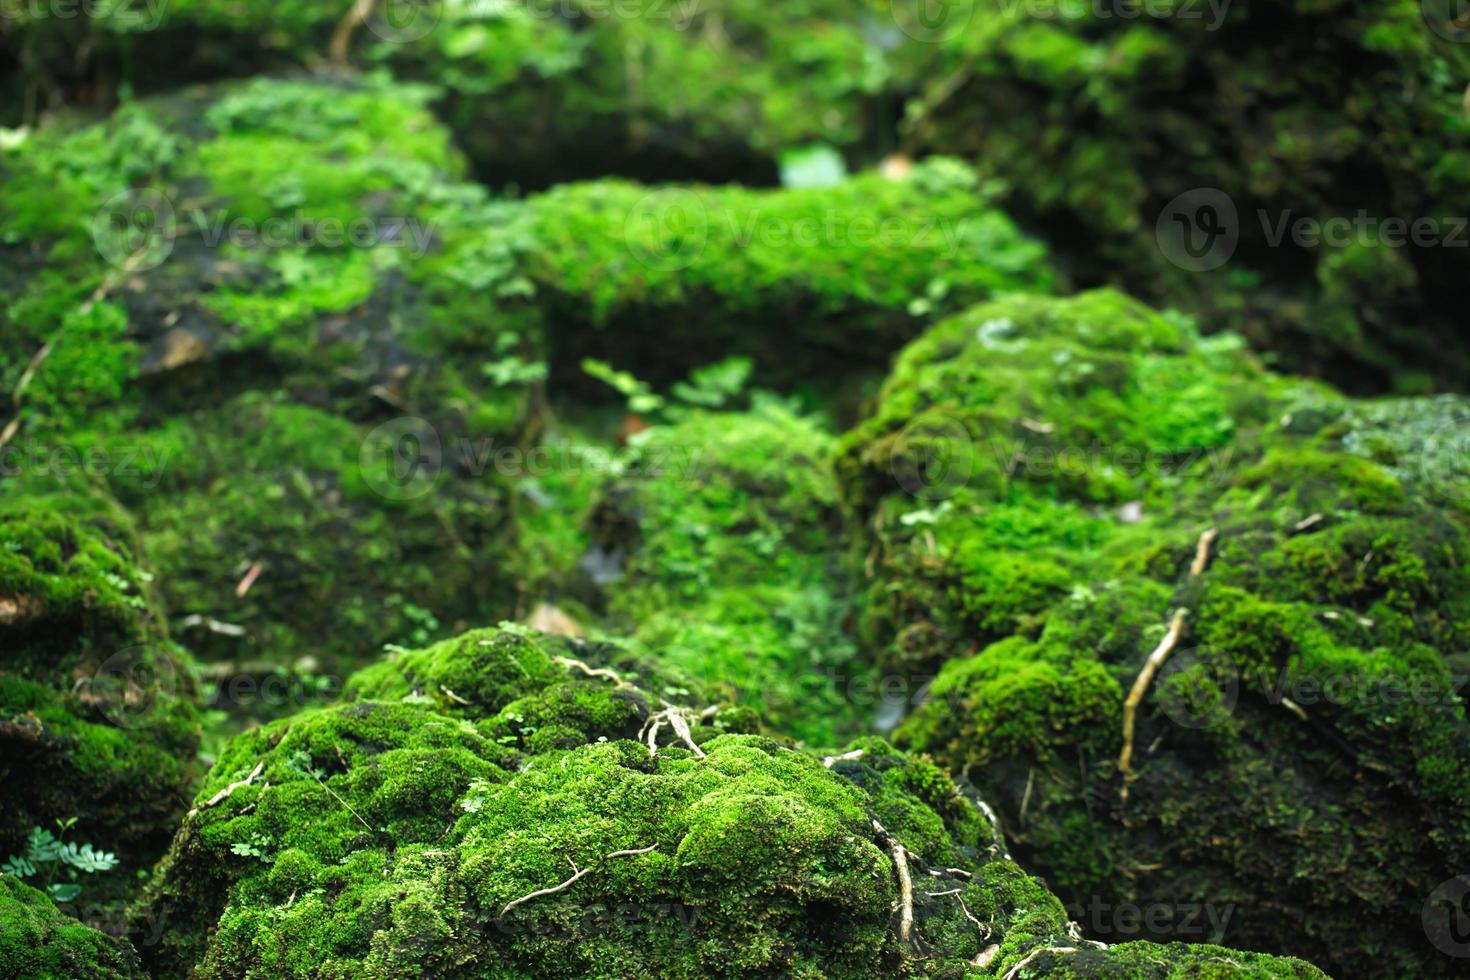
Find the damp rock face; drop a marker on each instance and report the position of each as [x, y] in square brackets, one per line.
[503, 804]
[1050, 491]
[1173, 155]
[98, 716]
[38, 940]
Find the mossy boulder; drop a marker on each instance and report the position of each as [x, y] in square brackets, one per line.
[663, 279]
[1114, 131]
[1049, 486]
[538, 93]
[277, 318]
[98, 714]
[39, 942]
[396, 835]
[711, 542]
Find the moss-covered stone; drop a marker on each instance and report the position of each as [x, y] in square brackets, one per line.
[38, 941]
[712, 542]
[1098, 119]
[1036, 485]
[277, 318]
[664, 279]
[384, 837]
[97, 704]
[537, 92]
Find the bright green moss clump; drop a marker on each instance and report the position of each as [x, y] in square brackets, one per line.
[37, 941]
[715, 550]
[1303, 753]
[662, 280]
[1346, 191]
[389, 836]
[97, 716]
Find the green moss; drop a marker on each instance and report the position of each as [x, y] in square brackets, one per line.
[97, 704]
[1318, 663]
[37, 940]
[1096, 123]
[385, 836]
[712, 548]
[663, 279]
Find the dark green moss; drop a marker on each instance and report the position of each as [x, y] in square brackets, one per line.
[1098, 120]
[38, 942]
[1309, 720]
[97, 704]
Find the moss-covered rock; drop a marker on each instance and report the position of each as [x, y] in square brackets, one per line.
[39, 942]
[1098, 119]
[276, 318]
[664, 279]
[97, 704]
[415, 834]
[712, 543]
[537, 92]
[1048, 486]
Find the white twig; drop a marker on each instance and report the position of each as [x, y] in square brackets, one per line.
[229, 790]
[852, 756]
[1015, 971]
[905, 884]
[1140, 688]
[1202, 552]
[577, 875]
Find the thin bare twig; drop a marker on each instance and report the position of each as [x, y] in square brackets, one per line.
[1202, 552]
[577, 875]
[852, 756]
[899, 855]
[1140, 688]
[229, 790]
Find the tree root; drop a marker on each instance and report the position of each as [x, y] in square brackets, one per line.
[899, 854]
[1015, 971]
[577, 875]
[1202, 552]
[604, 673]
[832, 760]
[676, 718]
[1140, 688]
[228, 791]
